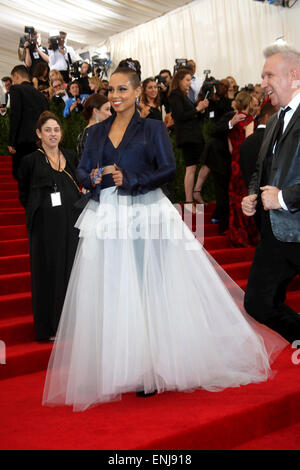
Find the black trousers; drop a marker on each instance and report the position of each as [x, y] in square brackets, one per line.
[275, 264]
[21, 150]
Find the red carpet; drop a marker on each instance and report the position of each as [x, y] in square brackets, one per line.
[263, 416]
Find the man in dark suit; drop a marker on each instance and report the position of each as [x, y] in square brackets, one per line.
[26, 105]
[249, 149]
[7, 82]
[275, 190]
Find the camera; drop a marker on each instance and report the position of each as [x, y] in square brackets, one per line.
[160, 80]
[54, 42]
[75, 68]
[30, 36]
[208, 87]
[249, 88]
[181, 64]
[102, 65]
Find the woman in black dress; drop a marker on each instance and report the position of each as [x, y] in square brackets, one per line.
[150, 100]
[187, 130]
[48, 190]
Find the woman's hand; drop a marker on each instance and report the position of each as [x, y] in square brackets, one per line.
[73, 105]
[202, 105]
[93, 174]
[117, 176]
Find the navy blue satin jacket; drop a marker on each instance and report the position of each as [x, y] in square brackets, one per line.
[145, 156]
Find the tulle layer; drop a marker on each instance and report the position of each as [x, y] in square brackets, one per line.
[150, 312]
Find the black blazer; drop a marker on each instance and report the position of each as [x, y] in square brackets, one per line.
[34, 177]
[285, 175]
[249, 151]
[186, 119]
[26, 105]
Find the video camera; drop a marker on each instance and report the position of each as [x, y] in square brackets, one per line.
[181, 64]
[75, 68]
[249, 88]
[54, 42]
[160, 80]
[102, 65]
[208, 87]
[30, 36]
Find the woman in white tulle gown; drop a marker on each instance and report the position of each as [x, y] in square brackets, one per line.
[147, 309]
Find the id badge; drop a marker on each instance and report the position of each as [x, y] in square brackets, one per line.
[55, 199]
[35, 55]
[212, 114]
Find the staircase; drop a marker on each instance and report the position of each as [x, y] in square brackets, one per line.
[23, 354]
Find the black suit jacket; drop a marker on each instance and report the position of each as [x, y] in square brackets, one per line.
[249, 151]
[186, 119]
[285, 175]
[26, 105]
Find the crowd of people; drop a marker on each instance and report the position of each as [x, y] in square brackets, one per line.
[124, 157]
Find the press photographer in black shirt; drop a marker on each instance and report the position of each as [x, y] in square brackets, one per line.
[34, 52]
[163, 81]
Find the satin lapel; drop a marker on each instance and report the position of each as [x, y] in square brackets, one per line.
[132, 128]
[294, 118]
[267, 140]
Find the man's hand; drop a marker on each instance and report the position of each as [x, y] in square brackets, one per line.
[269, 197]
[11, 149]
[249, 205]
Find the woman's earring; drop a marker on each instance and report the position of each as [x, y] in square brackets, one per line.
[137, 101]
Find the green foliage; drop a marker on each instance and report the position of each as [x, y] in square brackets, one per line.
[74, 124]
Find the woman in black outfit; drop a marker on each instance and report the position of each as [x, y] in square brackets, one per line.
[150, 100]
[187, 130]
[48, 190]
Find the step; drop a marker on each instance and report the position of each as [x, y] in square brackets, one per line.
[8, 194]
[16, 217]
[13, 232]
[17, 330]
[14, 247]
[294, 285]
[25, 358]
[10, 204]
[226, 256]
[16, 304]
[9, 185]
[14, 283]
[287, 438]
[14, 264]
[215, 242]
[238, 270]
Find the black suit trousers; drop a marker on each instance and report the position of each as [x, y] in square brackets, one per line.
[275, 264]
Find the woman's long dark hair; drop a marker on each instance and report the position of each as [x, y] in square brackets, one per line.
[144, 97]
[178, 76]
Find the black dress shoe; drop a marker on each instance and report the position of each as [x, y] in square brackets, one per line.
[145, 395]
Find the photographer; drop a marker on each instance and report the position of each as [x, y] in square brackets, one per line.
[33, 52]
[196, 82]
[163, 81]
[75, 101]
[61, 56]
[83, 80]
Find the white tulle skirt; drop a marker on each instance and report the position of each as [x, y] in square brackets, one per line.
[148, 309]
